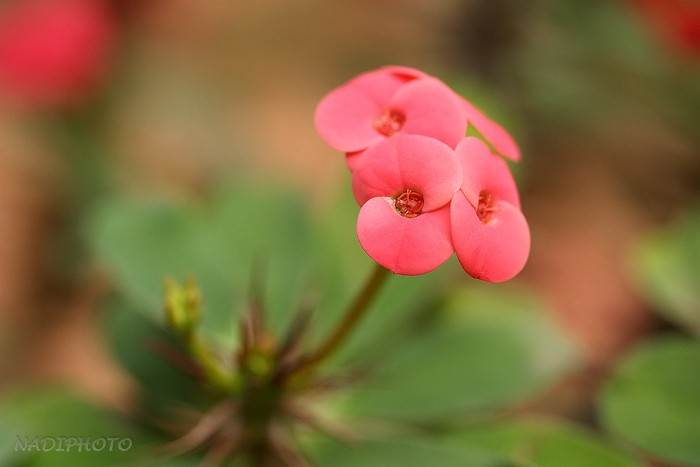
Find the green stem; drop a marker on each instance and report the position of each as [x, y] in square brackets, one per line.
[216, 375]
[357, 310]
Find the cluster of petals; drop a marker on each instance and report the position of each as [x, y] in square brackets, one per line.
[379, 104]
[54, 52]
[425, 190]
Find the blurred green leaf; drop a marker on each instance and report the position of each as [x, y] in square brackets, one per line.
[154, 356]
[244, 230]
[8, 455]
[546, 443]
[408, 451]
[191, 460]
[266, 231]
[590, 64]
[141, 242]
[523, 315]
[52, 414]
[32, 413]
[667, 267]
[493, 351]
[653, 400]
[219, 242]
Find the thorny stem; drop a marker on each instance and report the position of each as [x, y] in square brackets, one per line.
[260, 384]
[183, 310]
[357, 310]
[207, 426]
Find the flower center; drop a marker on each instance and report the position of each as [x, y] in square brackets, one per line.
[487, 207]
[409, 204]
[389, 122]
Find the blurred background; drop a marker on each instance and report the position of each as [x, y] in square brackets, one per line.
[172, 97]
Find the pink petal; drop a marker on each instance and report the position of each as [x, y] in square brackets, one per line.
[499, 138]
[431, 109]
[352, 159]
[484, 171]
[496, 251]
[379, 85]
[344, 119]
[405, 246]
[414, 162]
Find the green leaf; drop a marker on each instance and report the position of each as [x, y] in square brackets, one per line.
[154, 356]
[667, 268]
[43, 422]
[9, 456]
[653, 400]
[493, 351]
[408, 451]
[46, 414]
[141, 242]
[546, 443]
[523, 315]
[265, 230]
[219, 242]
[189, 460]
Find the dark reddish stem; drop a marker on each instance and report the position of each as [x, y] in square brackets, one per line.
[355, 312]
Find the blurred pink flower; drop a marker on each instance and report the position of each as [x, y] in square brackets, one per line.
[489, 232]
[54, 52]
[393, 100]
[405, 185]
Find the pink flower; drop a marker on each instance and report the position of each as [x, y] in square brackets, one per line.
[489, 232]
[405, 185]
[394, 100]
[53, 52]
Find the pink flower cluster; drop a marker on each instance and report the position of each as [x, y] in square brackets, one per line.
[425, 190]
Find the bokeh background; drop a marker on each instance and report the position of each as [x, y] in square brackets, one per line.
[602, 96]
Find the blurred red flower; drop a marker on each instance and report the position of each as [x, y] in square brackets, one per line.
[54, 53]
[678, 21]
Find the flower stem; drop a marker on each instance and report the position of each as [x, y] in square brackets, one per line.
[215, 374]
[357, 310]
